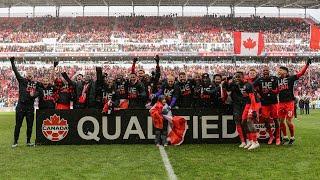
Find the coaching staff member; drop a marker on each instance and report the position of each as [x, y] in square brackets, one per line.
[25, 107]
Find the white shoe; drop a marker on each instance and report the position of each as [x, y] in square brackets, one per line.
[14, 145]
[248, 145]
[30, 144]
[254, 146]
[242, 145]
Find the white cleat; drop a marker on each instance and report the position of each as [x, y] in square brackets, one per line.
[254, 146]
[248, 145]
[14, 145]
[242, 145]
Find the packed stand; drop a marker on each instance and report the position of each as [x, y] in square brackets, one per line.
[139, 33]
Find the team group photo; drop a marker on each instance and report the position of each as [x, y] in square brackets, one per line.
[103, 89]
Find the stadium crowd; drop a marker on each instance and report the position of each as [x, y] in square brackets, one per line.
[150, 33]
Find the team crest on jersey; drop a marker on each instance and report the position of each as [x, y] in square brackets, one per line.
[55, 129]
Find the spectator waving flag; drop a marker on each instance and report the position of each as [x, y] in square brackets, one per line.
[248, 44]
[314, 37]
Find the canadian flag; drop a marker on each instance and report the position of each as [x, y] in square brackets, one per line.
[248, 44]
[314, 37]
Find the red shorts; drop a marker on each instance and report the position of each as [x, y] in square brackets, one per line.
[270, 111]
[286, 109]
[247, 112]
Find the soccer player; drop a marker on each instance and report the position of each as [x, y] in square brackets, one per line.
[121, 87]
[220, 92]
[47, 92]
[25, 107]
[64, 94]
[186, 91]
[136, 92]
[83, 87]
[252, 75]
[286, 100]
[170, 90]
[207, 92]
[267, 86]
[105, 92]
[245, 110]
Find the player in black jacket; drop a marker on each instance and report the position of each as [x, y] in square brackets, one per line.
[186, 91]
[47, 93]
[25, 108]
[136, 92]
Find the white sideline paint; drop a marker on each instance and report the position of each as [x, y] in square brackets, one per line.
[166, 162]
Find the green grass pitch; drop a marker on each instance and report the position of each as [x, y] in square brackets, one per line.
[197, 161]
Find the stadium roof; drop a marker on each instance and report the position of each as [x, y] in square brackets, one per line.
[245, 3]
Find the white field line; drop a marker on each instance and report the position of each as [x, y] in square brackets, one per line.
[166, 162]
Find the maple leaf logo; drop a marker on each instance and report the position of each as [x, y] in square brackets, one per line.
[55, 120]
[249, 43]
[55, 128]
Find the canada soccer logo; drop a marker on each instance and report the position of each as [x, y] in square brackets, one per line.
[55, 129]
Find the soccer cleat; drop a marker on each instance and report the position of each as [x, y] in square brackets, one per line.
[165, 145]
[248, 145]
[270, 140]
[291, 141]
[254, 146]
[278, 142]
[30, 144]
[14, 145]
[242, 145]
[285, 141]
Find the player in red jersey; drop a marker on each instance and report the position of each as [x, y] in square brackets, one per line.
[286, 100]
[266, 87]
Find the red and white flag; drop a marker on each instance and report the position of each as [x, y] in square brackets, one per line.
[314, 37]
[248, 44]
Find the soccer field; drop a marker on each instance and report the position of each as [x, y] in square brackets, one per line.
[198, 161]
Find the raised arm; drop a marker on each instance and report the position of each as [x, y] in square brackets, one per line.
[15, 70]
[304, 69]
[158, 72]
[133, 68]
[66, 77]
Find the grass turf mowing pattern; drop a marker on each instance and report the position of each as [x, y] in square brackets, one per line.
[75, 162]
[211, 161]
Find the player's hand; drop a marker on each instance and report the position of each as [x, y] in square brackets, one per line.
[309, 61]
[55, 64]
[135, 60]
[157, 59]
[12, 59]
